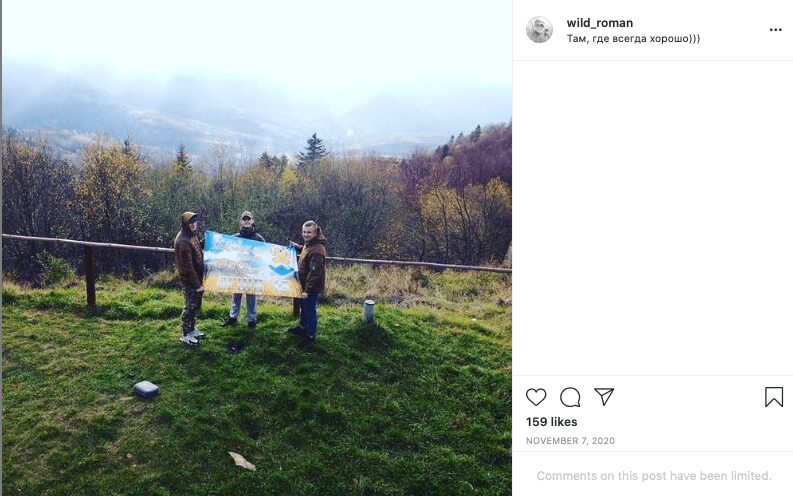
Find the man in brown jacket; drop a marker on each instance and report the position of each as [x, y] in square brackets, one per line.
[190, 266]
[311, 269]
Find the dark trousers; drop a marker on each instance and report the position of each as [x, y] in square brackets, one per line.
[308, 314]
[192, 304]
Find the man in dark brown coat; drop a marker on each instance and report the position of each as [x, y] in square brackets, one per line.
[311, 269]
[190, 266]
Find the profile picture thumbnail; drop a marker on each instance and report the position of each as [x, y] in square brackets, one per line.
[539, 29]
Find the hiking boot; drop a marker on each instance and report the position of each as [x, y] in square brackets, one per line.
[189, 339]
[298, 330]
[251, 324]
[197, 334]
[231, 321]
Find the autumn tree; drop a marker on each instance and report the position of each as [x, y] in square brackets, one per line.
[412, 171]
[111, 194]
[468, 225]
[222, 202]
[174, 189]
[38, 185]
[259, 192]
[358, 201]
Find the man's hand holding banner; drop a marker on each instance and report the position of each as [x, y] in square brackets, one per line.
[239, 265]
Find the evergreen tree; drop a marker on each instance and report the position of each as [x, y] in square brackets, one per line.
[445, 151]
[476, 133]
[265, 160]
[130, 150]
[182, 159]
[314, 151]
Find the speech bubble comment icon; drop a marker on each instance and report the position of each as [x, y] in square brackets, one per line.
[536, 396]
[570, 397]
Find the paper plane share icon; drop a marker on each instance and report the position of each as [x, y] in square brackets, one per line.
[605, 394]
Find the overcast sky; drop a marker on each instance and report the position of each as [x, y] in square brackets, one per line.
[334, 44]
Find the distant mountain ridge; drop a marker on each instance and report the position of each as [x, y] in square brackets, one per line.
[201, 112]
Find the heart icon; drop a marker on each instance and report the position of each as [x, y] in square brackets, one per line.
[536, 396]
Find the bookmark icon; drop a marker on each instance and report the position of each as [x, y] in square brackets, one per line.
[774, 395]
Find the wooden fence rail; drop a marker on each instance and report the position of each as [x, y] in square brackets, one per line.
[90, 271]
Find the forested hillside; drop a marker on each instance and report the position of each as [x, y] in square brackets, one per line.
[452, 205]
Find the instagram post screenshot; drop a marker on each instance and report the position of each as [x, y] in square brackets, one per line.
[264, 248]
[654, 217]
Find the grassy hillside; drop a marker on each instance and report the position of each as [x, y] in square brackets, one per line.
[419, 404]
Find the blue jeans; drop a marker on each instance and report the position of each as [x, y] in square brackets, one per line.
[250, 306]
[308, 314]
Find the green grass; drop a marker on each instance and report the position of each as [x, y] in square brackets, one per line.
[420, 404]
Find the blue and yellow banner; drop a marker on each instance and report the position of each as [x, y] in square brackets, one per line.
[239, 265]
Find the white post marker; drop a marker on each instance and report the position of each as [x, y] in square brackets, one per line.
[368, 312]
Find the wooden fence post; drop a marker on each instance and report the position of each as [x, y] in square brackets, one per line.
[90, 278]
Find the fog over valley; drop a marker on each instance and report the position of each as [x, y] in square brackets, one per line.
[248, 114]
